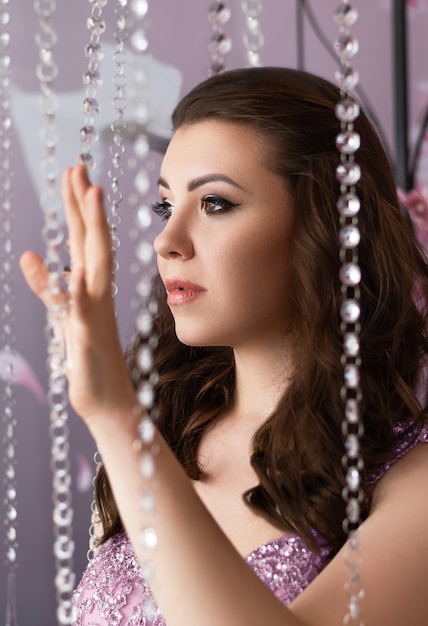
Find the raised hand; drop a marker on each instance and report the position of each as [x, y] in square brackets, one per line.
[99, 384]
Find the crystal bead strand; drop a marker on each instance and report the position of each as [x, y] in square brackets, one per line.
[7, 313]
[95, 516]
[348, 174]
[92, 79]
[218, 14]
[142, 305]
[115, 195]
[117, 147]
[53, 236]
[253, 36]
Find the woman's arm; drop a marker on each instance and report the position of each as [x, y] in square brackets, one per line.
[200, 578]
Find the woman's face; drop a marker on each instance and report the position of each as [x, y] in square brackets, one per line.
[223, 254]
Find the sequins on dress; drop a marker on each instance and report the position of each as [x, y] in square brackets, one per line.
[113, 592]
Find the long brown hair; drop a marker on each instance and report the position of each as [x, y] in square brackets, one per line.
[297, 452]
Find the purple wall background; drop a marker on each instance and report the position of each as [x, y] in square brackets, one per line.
[179, 36]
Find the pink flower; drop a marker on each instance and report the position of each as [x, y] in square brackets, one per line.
[416, 203]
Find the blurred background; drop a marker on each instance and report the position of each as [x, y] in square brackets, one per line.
[296, 34]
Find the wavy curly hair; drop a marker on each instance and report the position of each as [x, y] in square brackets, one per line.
[297, 452]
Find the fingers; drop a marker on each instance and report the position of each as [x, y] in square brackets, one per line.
[98, 247]
[37, 276]
[89, 234]
[73, 213]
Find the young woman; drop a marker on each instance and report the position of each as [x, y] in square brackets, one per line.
[249, 477]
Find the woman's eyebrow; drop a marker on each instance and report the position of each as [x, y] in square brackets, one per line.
[202, 180]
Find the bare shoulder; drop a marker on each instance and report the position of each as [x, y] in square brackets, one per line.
[394, 555]
[404, 479]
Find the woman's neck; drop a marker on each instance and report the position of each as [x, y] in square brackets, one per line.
[261, 378]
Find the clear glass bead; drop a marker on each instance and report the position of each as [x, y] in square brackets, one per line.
[146, 395]
[353, 479]
[353, 510]
[88, 134]
[219, 14]
[346, 47]
[147, 431]
[65, 579]
[350, 311]
[252, 8]
[149, 606]
[96, 25]
[63, 613]
[142, 182]
[92, 77]
[352, 446]
[350, 274]
[11, 555]
[86, 158]
[352, 411]
[94, 51]
[144, 252]
[63, 547]
[139, 41]
[139, 8]
[351, 376]
[217, 67]
[347, 78]
[354, 605]
[147, 501]
[348, 142]
[253, 25]
[253, 58]
[348, 173]
[345, 15]
[11, 513]
[62, 517]
[144, 287]
[220, 44]
[144, 323]
[144, 216]
[148, 569]
[147, 465]
[91, 106]
[149, 538]
[351, 344]
[141, 146]
[5, 39]
[348, 205]
[254, 41]
[5, 18]
[141, 113]
[347, 110]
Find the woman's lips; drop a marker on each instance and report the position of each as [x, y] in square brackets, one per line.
[180, 290]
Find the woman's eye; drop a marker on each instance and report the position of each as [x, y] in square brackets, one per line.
[163, 209]
[216, 204]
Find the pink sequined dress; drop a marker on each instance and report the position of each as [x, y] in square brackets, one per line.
[113, 592]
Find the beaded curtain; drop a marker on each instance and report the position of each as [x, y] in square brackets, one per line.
[179, 33]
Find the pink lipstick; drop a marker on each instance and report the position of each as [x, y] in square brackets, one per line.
[180, 290]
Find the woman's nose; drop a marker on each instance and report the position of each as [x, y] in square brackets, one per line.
[175, 240]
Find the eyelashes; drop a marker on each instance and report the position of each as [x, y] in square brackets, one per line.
[163, 209]
[210, 205]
